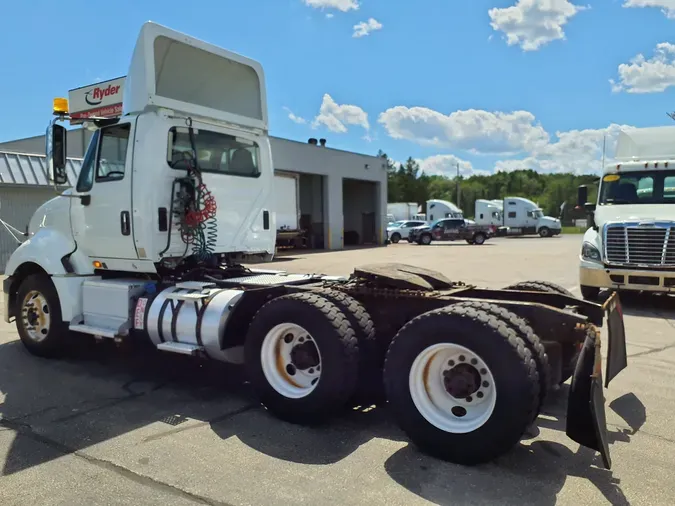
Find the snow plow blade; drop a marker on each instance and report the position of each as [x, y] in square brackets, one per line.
[586, 420]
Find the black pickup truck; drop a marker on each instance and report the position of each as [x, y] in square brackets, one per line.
[451, 229]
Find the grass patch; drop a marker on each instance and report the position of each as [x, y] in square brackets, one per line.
[574, 230]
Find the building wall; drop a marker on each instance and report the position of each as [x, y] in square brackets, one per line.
[289, 156]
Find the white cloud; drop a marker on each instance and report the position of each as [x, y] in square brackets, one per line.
[341, 5]
[295, 119]
[472, 130]
[446, 165]
[330, 15]
[644, 75]
[666, 6]
[533, 23]
[576, 151]
[335, 117]
[366, 27]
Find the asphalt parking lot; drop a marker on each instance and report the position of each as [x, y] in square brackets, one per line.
[115, 426]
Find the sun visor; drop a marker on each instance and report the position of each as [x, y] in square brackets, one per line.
[641, 144]
[175, 71]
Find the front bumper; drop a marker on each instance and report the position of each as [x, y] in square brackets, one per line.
[601, 276]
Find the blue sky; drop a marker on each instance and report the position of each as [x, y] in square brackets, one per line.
[490, 84]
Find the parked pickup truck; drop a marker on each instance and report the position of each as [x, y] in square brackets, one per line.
[451, 229]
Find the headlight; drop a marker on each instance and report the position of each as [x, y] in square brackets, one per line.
[590, 252]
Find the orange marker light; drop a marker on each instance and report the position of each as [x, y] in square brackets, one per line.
[97, 264]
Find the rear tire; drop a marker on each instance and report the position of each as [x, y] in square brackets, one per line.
[526, 333]
[395, 238]
[590, 293]
[418, 377]
[570, 352]
[38, 317]
[282, 365]
[371, 359]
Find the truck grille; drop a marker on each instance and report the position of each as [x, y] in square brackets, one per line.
[634, 244]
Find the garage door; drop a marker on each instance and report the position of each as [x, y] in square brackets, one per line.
[17, 205]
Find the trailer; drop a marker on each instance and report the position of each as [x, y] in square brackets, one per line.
[154, 243]
[400, 211]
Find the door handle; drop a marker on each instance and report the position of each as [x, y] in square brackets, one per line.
[125, 222]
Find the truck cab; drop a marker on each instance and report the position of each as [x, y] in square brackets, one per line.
[524, 217]
[185, 171]
[489, 212]
[631, 242]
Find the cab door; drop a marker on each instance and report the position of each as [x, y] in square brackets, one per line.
[101, 210]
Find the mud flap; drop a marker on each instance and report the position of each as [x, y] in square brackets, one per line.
[586, 422]
[617, 357]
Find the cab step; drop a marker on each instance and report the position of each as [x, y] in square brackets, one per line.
[181, 348]
[94, 331]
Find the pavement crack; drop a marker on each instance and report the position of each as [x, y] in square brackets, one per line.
[25, 430]
[197, 425]
[651, 351]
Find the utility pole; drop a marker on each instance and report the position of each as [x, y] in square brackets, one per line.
[604, 143]
[457, 178]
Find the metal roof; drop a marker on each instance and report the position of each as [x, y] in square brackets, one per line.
[31, 170]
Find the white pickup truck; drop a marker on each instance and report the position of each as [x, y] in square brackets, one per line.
[631, 242]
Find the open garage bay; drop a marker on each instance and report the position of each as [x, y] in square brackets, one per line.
[117, 426]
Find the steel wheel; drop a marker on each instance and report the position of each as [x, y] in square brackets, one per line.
[290, 360]
[452, 388]
[35, 315]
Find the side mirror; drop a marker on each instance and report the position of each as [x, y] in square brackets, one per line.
[56, 154]
[582, 196]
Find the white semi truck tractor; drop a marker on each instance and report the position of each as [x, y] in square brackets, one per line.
[155, 242]
[630, 244]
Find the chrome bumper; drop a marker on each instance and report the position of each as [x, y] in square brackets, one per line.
[626, 279]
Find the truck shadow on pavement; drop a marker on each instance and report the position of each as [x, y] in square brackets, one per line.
[646, 305]
[99, 393]
[533, 473]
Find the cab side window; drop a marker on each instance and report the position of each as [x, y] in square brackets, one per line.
[112, 155]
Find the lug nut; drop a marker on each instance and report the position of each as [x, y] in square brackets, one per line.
[469, 399]
[462, 358]
[479, 395]
[451, 363]
[486, 384]
[483, 371]
[301, 340]
[474, 361]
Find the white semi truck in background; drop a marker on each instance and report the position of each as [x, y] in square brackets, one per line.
[399, 211]
[437, 209]
[519, 216]
[175, 199]
[630, 244]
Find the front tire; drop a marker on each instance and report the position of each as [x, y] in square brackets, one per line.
[395, 238]
[38, 322]
[465, 395]
[425, 239]
[479, 239]
[302, 358]
[544, 232]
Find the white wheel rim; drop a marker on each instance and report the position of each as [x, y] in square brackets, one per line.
[286, 370]
[35, 315]
[435, 403]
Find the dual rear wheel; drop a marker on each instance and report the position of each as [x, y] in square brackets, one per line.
[463, 381]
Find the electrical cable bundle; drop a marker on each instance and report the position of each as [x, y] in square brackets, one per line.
[196, 213]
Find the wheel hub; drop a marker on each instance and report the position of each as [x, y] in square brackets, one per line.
[461, 381]
[36, 315]
[305, 355]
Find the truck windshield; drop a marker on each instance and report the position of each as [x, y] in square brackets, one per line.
[217, 152]
[639, 187]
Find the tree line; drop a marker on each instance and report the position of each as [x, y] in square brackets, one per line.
[406, 183]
